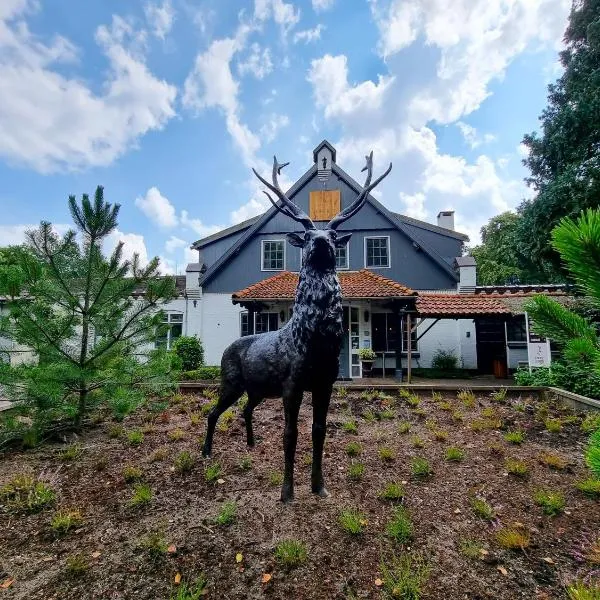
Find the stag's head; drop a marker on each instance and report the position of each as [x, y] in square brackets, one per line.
[318, 245]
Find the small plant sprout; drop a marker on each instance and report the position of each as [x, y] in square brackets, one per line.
[387, 414]
[515, 437]
[369, 415]
[413, 400]
[307, 459]
[135, 437]
[454, 454]
[25, 493]
[386, 454]
[159, 454]
[590, 487]
[417, 441]
[342, 392]
[579, 590]
[457, 416]
[353, 449]
[436, 396]
[552, 503]
[65, 520]
[393, 492]
[591, 423]
[132, 474]
[441, 435]
[212, 472]
[421, 468]
[155, 544]
[291, 553]
[482, 509]
[71, 453]
[404, 427]
[467, 397]
[116, 431]
[470, 548]
[553, 425]
[350, 426]
[226, 419]
[208, 406]
[496, 449]
[77, 565]
[356, 471]
[195, 419]
[191, 591]
[184, 462]
[518, 468]
[176, 434]
[404, 577]
[246, 463]
[513, 538]
[447, 406]
[352, 521]
[553, 461]
[142, 495]
[275, 478]
[489, 413]
[227, 514]
[400, 527]
[499, 395]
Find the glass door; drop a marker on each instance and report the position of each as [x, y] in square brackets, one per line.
[354, 341]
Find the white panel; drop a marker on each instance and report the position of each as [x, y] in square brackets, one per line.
[220, 325]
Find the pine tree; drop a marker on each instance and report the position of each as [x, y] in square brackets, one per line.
[90, 320]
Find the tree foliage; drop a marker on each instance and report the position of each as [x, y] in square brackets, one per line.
[564, 158]
[87, 318]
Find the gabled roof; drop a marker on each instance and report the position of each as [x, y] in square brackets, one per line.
[327, 145]
[224, 233]
[355, 284]
[395, 220]
[431, 227]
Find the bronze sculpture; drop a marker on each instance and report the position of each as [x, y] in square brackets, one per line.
[304, 354]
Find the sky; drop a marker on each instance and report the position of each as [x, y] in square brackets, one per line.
[168, 104]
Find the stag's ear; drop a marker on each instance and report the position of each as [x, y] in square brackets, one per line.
[342, 240]
[295, 240]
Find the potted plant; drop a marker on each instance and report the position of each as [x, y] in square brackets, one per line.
[367, 358]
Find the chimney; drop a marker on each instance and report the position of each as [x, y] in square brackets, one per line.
[445, 219]
[467, 273]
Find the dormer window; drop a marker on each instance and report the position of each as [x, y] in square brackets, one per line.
[273, 255]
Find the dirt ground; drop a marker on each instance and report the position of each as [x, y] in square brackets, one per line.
[110, 540]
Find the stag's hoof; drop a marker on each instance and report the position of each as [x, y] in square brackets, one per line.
[321, 492]
[287, 494]
[205, 453]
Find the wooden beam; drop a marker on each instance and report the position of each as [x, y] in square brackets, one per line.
[422, 334]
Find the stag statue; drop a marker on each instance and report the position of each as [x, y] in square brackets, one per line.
[304, 354]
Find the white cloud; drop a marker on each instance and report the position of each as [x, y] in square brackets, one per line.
[309, 35]
[270, 130]
[198, 226]
[190, 255]
[523, 150]
[414, 205]
[329, 77]
[157, 208]
[173, 243]
[160, 17]
[321, 5]
[51, 122]
[283, 13]
[255, 206]
[14, 235]
[258, 62]
[133, 243]
[168, 266]
[472, 136]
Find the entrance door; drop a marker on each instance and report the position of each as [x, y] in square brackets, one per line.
[491, 344]
[345, 352]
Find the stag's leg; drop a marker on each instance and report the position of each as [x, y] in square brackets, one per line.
[291, 406]
[228, 396]
[321, 400]
[253, 402]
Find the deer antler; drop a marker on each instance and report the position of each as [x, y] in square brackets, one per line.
[287, 207]
[351, 210]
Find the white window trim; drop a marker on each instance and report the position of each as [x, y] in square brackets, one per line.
[262, 254]
[389, 249]
[347, 267]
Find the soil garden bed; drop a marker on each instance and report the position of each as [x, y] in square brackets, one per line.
[115, 550]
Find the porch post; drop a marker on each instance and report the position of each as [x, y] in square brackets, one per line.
[251, 313]
[399, 323]
[409, 347]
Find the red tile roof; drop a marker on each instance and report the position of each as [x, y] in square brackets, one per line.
[355, 284]
[456, 305]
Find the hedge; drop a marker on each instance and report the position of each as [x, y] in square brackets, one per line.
[206, 373]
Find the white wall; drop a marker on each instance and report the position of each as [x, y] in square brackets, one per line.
[468, 345]
[220, 323]
[444, 335]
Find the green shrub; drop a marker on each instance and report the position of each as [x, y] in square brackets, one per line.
[189, 349]
[205, 373]
[400, 527]
[290, 553]
[444, 360]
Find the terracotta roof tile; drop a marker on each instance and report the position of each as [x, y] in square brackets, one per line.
[355, 284]
[451, 305]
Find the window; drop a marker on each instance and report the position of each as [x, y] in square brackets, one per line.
[377, 252]
[173, 328]
[385, 333]
[324, 204]
[515, 329]
[263, 322]
[341, 257]
[273, 255]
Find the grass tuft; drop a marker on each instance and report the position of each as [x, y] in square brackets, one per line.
[25, 493]
[454, 454]
[135, 437]
[404, 577]
[499, 395]
[513, 538]
[291, 553]
[553, 425]
[353, 449]
[356, 471]
[176, 434]
[417, 441]
[350, 426]
[515, 437]
[470, 548]
[482, 509]
[132, 474]
[142, 495]
[553, 461]
[552, 503]
[352, 521]
[155, 544]
[404, 427]
[467, 397]
[393, 491]
[400, 527]
[212, 472]
[63, 521]
[421, 468]
[518, 468]
[580, 590]
[71, 453]
[191, 591]
[77, 565]
[184, 462]
[386, 454]
[275, 478]
[246, 463]
[227, 514]
[590, 487]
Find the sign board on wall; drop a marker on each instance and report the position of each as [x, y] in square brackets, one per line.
[538, 348]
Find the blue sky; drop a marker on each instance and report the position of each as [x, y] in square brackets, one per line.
[168, 103]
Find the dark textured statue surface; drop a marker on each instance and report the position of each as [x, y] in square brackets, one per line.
[304, 354]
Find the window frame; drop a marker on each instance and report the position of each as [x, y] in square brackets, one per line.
[168, 333]
[262, 254]
[244, 314]
[347, 267]
[413, 335]
[389, 253]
